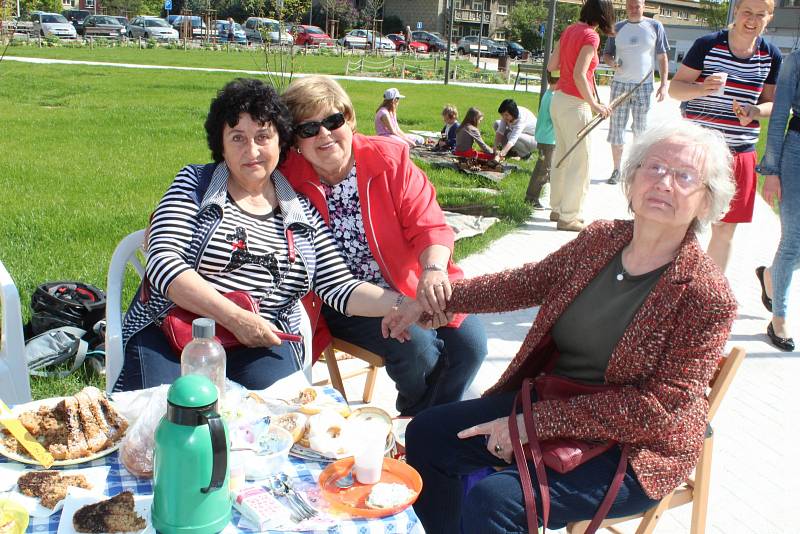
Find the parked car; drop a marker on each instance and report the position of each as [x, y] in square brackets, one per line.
[53, 24]
[434, 41]
[196, 23]
[152, 28]
[516, 51]
[257, 29]
[103, 26]
[75, 17]
[401, 44]
[311, 36]
[171, 18]
[366, 39]
[222, 29]
[489, 48]
[122, 20]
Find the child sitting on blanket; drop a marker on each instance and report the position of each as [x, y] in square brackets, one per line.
[468, 133]
[450, 118]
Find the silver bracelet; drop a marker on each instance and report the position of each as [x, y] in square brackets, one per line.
[434, 267]
[399, 300]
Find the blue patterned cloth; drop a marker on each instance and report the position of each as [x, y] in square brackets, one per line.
[302, 471]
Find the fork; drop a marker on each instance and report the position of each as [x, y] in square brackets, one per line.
[279, 490]
[284, 479]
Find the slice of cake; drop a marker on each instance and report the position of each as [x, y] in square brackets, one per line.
[49, 487]
[116, 514]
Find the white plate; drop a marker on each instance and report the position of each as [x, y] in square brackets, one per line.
[95, 476]
[77, 497]
[32, 407]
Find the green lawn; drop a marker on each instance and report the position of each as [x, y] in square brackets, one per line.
[86, 152]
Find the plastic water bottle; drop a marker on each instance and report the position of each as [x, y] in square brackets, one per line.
[204, 355]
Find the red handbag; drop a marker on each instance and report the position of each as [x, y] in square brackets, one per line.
[177, 324]
[561, 455]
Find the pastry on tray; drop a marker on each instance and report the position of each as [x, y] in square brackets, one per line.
[49, 487]
[116, 514]
[75, 427]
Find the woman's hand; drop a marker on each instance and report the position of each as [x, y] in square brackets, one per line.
[747, 113]
[772, 189]
[711, 84]
[498, 439]
[600, 109]
[252, 330]
[396, 323]
[433, 291]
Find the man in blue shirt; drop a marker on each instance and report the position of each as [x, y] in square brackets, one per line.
[638, 43]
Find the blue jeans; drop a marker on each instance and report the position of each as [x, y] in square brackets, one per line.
[150, 361]
[787, 257]
[496, 503]
[434, 367]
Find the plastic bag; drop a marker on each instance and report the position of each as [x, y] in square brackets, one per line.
[147, 407]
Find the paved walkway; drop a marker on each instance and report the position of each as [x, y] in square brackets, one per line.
[755, 474]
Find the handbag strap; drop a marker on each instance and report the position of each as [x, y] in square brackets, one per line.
[536, 452]
[612, 492]
[522, 467]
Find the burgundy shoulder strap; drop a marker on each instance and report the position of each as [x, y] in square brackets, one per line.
[536, 452]
[612, 492]
[522, 466]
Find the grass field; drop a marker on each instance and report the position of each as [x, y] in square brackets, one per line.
[86, 152]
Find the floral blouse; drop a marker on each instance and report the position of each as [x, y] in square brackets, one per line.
[347, 225]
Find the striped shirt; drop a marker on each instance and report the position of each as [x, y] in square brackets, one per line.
[246, 252]
[711, 54]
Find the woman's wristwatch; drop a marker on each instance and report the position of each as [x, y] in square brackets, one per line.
[434, 267]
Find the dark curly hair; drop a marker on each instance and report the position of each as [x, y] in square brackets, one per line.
[254, 97]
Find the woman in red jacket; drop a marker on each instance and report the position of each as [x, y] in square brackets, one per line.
[633, 304]
[391, 231]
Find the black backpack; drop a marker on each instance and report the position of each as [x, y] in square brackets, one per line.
[57, 304]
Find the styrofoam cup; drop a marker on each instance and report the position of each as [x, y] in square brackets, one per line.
[724, 78]
[368, 459]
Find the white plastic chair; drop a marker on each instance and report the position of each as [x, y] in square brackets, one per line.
[126, 252]
[15, 385]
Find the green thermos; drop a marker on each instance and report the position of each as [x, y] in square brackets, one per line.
[190, 467]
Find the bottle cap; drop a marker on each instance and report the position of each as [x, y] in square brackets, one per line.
[203, 328]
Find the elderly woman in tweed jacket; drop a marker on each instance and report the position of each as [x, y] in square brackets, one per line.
[636, 304]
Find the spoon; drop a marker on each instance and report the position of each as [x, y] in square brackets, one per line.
[346, 481]
[279, 490]
[301, 502]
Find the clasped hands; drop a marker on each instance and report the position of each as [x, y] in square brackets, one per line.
[428, 310]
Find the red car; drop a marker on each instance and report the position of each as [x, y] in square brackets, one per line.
[400, 43]
[312, 36]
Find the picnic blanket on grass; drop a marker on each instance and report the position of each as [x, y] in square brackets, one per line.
[446, 160]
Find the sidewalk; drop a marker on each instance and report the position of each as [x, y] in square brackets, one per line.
[755, 473]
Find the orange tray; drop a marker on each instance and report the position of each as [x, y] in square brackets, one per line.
[352, 500]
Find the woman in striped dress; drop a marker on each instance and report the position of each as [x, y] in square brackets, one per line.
[236, 224]
[727, 82]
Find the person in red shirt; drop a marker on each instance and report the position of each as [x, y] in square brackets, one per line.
[390, 230]
[574, 101]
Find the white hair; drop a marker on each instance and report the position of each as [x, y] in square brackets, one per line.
[716, 172]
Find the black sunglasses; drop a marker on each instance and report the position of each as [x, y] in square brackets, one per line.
[304, 130]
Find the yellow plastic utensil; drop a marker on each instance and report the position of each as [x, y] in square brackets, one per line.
[8, 420]
[13, 517]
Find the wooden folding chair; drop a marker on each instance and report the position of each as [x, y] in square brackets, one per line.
[337, 378]
[695, 489]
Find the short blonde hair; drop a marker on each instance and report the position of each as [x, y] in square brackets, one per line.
[306, 97]
[450, 111]
[717, 167]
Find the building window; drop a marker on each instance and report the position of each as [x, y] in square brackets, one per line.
[89, 3]
[457, 4]
[682, 14]
[474, 32]
[499, 36]
[502, 9]
[477, 5]
[790, 3]
[666, 12]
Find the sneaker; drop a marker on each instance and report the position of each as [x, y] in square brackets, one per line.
[614, 179]
[537, 205]
[571, 226]
[554, 216]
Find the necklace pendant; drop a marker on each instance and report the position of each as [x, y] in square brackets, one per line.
[620, 277]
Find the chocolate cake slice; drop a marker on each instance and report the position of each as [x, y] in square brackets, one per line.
[49, 486]
[112, 515]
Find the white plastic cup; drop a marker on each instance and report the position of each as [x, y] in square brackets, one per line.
[723, 76]
[369, 461]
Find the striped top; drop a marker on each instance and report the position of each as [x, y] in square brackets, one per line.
[245, 252]
[711, 54]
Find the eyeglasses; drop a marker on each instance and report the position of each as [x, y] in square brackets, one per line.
[304, 130]
[683, 178]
